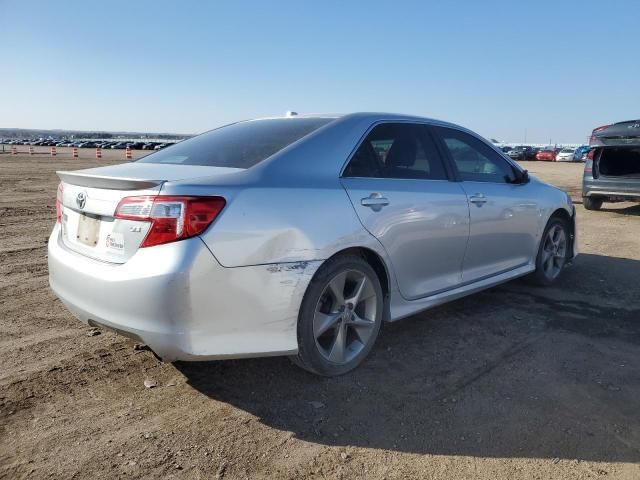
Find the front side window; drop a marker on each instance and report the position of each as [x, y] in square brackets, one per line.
[240, 145]
[397, 150]
[474, 160]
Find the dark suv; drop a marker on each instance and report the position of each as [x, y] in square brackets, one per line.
[612, 168]
[522, 153]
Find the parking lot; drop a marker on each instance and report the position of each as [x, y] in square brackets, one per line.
[515, 382]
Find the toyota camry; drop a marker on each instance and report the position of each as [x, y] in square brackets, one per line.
[299, 235]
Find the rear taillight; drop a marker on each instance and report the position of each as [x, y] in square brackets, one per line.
[172, 217]
[590, 154]
[59, 194]
[593, 138]
[588, 166]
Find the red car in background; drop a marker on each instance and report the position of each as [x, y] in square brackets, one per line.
[546, 155]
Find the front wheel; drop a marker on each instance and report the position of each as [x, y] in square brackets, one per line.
[552, 253]
[340, 316]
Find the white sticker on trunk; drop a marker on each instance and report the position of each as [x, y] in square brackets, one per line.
[115, 241]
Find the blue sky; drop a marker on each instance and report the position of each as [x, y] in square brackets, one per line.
[556, 69]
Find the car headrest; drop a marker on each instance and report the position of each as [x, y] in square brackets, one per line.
[402, 153]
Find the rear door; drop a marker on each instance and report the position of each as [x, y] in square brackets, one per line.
[399, 187]
[504, 215]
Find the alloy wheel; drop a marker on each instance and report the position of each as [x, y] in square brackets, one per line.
[344, 318]
[554, 252]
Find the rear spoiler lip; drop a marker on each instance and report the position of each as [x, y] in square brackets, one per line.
[103, 181]
[617, 142]
[625, 121]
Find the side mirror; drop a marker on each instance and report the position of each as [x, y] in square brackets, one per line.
[520, 177]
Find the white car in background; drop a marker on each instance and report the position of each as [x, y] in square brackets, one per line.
[566, 155]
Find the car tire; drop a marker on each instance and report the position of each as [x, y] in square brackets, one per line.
[553, 253]
[337, 326]
[592, 203]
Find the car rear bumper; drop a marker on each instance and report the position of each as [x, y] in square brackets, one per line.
[611, 187]
[181, 302]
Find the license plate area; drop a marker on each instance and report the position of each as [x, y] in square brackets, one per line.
[88, 230]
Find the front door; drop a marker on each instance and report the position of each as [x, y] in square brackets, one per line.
[503, 213]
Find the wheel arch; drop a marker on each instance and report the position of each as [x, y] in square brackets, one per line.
[379, 267]
[563, 214]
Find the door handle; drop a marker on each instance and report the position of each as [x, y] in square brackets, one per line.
[375, 201]
[478, 199]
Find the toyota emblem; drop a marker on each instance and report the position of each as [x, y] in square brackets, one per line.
[81, 200]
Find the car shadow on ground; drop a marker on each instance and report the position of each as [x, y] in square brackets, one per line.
[632, 210]
[516, 371]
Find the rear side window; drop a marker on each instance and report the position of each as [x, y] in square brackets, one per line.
[241, 145]
[397, 150]
[474, 160]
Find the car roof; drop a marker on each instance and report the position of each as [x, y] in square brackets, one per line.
[367, 116]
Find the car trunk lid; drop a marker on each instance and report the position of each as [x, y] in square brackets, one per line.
[90, 197]
[618, 134]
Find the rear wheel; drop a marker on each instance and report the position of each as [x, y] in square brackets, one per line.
[592, 203]
[340, 317]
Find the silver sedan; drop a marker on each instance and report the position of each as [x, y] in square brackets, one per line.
[299, 235]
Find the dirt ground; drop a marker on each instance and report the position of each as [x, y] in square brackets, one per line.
[516, 382]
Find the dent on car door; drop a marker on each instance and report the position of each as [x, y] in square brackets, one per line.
[503, 211]
[397, 183]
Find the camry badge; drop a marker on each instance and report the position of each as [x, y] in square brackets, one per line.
[81, 200]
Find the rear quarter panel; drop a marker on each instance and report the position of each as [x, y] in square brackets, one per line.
[280, 224]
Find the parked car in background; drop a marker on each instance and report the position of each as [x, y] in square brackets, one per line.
[149, 145]
[581, 152]
[198, 253]
[516, 153]
[523, 152]
[612, 168]
[136, 145]
[566, 155]
[546, 155]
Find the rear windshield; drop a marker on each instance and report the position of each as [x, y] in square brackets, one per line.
[240, 145]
